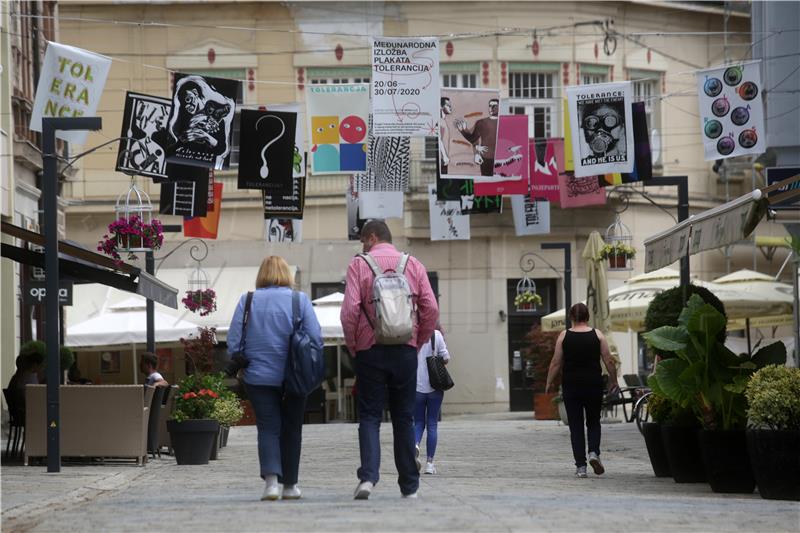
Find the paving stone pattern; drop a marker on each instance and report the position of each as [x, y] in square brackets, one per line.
[496, 473]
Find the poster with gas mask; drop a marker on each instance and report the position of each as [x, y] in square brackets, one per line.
[201, 121]
[602, 128]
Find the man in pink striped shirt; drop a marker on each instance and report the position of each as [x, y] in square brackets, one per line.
[380, 367]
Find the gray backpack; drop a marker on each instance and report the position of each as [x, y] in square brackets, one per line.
[394, 307]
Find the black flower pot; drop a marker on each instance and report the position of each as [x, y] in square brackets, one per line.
[215, 447]
[683, 453]
[192, 440]
[655, 449]
[726, 460]
[225, 431]
[775, 458]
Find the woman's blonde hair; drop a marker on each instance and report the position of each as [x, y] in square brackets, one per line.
[274, 271]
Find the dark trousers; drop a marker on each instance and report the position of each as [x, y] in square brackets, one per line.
[379, 370]
[579, 400]
[279, 420]
[487, 167]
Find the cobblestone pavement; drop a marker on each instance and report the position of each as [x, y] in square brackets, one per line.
[496, 473]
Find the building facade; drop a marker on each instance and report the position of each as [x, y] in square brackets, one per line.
[531, 51]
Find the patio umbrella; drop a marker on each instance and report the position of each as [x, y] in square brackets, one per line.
[774, 298]
[597, 284]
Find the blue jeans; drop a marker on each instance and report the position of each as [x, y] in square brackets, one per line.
[279, 420]
[380, 369]
[426, 413]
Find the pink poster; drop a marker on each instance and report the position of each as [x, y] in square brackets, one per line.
[580, 192]
[544, 173]
[511, 167]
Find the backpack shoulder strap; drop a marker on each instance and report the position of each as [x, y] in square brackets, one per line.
[373, 265]
[433, 343]
[401, 265]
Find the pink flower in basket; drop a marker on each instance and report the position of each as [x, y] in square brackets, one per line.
[203, 300]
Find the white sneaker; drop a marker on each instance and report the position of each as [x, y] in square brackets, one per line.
[580, 472]
[412, 496]
[363, 490]
[291, 492]
[416, 458]
[597, 465]
[272, 490]
[429, 468]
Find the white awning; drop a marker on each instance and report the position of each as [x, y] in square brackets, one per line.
[723, 225]
[228, 282]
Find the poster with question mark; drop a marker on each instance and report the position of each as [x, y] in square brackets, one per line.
[731, 110]
[266, 152]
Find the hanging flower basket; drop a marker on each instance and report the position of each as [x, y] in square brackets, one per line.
[619, 256]
[203, 301]
[131, 234]
[527, 301]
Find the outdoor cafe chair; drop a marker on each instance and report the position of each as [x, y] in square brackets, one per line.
[16, 426]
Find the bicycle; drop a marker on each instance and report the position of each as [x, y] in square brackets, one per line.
[641, 413]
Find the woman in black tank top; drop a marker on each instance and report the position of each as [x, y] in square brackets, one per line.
[577, 358]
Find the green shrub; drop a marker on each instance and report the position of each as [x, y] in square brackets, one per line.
[227, 410]
[667, 306]
[659, 407]
[773, 395]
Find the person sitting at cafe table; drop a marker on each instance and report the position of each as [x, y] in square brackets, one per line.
[148, 364]
[29, 364]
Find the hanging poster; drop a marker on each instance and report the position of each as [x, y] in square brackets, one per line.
[580, 192]
[468, 132]
[286, 206]
[337, 122]
[284, 230]
[731, 110]
[201, 121]
[511, 159]
[448, 222]
[299, 152]
[71, 83]
[463, 191]
[642, 161]
[531, 217]
[602, 128]
[184, 198]
[211, 181]
[354, 220]
[405, 86]
[266, 151]
[144, 138]
[177, 173]
[547, 162]
[380, 204]
[388, 164]
[206, 227]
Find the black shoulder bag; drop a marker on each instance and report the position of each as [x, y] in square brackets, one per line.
[437, 373]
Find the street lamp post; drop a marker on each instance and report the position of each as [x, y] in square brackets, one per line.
[50, 204]
[682, 183]
[567, 248]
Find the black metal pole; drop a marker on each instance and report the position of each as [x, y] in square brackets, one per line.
[50, 203]
[682, 183]
[150, 267]
[567, 248]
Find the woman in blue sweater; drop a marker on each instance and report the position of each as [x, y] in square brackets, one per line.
[279, 415]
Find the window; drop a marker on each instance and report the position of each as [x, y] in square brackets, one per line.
[591, 79]
[462, 80]
[533, 94]
[647, 90]
[339, 80]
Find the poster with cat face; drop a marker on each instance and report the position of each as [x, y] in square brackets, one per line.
[266, 151]
[201, 121]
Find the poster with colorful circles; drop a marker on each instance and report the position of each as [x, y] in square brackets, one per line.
[731, 110]
[337, 124]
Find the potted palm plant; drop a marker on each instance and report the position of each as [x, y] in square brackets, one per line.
[708, 379]
[773, 438]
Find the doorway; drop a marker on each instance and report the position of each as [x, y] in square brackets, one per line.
[520, 371]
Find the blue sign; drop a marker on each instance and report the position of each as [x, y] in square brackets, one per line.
[777, 174]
